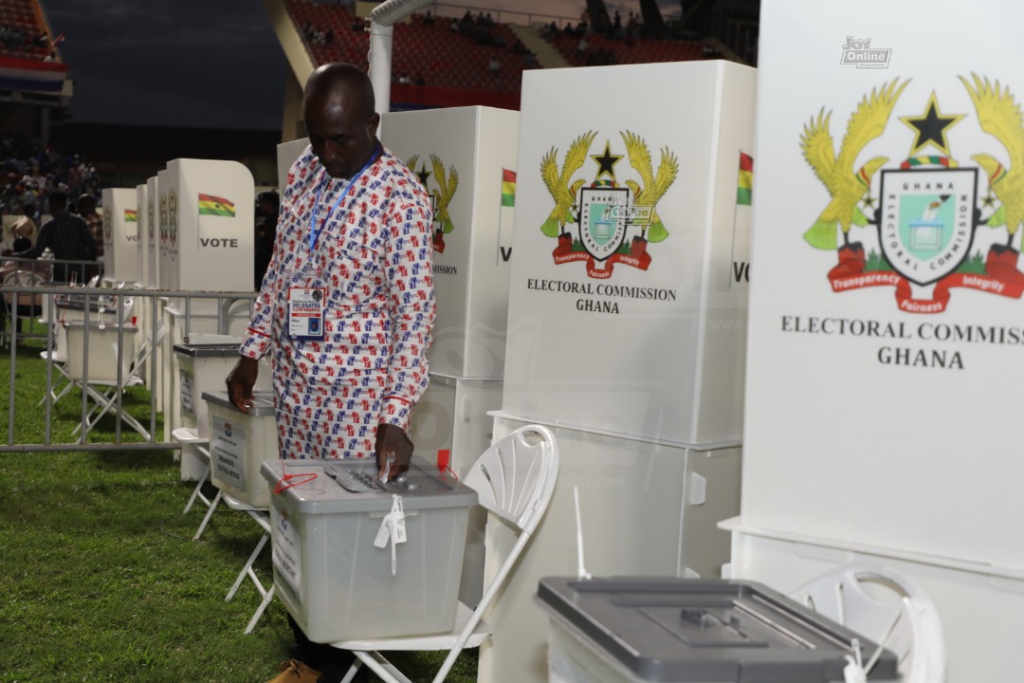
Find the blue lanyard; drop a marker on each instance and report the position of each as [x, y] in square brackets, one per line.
[314, 232]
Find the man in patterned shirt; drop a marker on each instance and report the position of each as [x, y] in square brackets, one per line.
[347, 305]
[68, 238]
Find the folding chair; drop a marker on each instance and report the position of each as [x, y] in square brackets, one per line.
[58, 359]
[887, 607]
[103, 387]
[514, 480]
[58, 356]
[190, 436]
[262, 517]
[25, 304]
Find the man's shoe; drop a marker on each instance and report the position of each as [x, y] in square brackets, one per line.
[308, 656]
[294, 671]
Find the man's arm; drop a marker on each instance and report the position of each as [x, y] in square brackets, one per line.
[408, 255]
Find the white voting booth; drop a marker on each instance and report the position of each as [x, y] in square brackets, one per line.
[625, 326]
[153, 217]
[120, 233]
[152, 281]
[206, 245]
[883, 339]
[459, 154]
[141, 241]
[164, 228]
[287, 154]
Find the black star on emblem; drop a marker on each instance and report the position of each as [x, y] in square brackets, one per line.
[423, 175]
[989, 201]
[868, 202]
[606, 162]
[931, 127]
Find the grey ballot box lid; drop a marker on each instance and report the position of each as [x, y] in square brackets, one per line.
[671, 630]
[207, 350]
[77, 303]
[262, 402]
[425, 487]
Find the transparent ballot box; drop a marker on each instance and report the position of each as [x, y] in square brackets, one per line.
[669, 630]
[333, 573]
[239, 444]
[105, 339]
[203, 367]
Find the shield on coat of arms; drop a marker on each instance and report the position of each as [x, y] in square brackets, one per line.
[927, 221]
[602, 214]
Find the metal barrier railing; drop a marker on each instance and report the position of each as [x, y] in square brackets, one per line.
[100, 309]
[72, 272]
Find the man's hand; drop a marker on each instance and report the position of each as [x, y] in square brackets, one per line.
[240, 382]
[393, 445]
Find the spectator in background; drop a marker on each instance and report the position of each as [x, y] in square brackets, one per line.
[86, 208]
[581, 48]
[494, 66]
[24, 226]
[29, 305]
[267, 206]
[69, 239]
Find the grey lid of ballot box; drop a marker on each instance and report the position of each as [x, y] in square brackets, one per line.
[665, 629]
[262, 402]
[109, 325]
[425, 487]
[207, 350]
[77, 303]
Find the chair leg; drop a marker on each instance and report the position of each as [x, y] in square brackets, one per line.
[55, 396]
[352, 671]
[206, 517]
[268, 595]
[196, 493]
[381, 666]
[248, 567]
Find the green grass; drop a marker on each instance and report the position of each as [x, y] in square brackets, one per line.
[101, 580]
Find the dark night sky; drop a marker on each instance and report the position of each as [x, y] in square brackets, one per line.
[202, 63]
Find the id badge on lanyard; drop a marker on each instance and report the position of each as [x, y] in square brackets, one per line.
[306, 306]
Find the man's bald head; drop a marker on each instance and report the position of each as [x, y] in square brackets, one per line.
[345, 84]
[338, 107]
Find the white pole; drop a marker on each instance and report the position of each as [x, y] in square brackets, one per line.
[380, 65]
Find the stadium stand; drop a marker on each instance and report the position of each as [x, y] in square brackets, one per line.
[29, 60]
[457, 53]
[442, 52]
[23, 30]
[631, 50]
[31, 170]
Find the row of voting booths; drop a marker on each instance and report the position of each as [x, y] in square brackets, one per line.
[590, 270]
[709, 431]
[188, 228]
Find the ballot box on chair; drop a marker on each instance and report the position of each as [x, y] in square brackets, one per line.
[335, 581]
[240, 443]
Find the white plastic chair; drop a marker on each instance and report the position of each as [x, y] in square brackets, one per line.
[514, 480]
[887, 607]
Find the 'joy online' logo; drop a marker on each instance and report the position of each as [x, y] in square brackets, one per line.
[858, 51]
